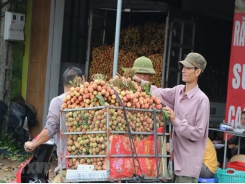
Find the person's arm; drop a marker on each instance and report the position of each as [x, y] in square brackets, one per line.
[233, 146]
[51, 127]
[166, 95]
[42, 138]
[194, 133]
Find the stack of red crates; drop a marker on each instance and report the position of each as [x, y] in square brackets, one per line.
[237, 165]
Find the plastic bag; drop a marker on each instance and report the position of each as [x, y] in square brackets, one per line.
[16, 112]
[30, 114]
[124, 167]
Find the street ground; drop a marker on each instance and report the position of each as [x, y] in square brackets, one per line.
[9, 168]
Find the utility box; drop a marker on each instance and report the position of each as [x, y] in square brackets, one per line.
[14, 26]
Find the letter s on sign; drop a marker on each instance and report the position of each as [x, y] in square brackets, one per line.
[237, 80]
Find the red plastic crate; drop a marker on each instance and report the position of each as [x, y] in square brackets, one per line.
[240, 166]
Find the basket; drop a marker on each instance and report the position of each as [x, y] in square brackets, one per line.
[225, 176]
[240, 166]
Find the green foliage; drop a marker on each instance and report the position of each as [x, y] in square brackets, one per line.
[18, 50]
[8, 179]
[11, 149]
[9, 143]
[147, 88]
[165, 114]
[101, 99]
[17, 69]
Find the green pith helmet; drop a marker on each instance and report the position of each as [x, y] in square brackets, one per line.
[143, 65]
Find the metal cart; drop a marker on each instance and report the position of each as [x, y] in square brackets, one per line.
[85, 171]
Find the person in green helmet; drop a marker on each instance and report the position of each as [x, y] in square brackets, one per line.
[144, 68]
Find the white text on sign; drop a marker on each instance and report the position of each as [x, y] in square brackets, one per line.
[239, 76]
[239, 33]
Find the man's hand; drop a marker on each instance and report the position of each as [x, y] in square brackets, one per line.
[29, 146]
[170, 113]
[136, 79]
[233, 146]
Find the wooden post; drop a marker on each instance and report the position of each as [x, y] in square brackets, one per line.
[6, 60]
